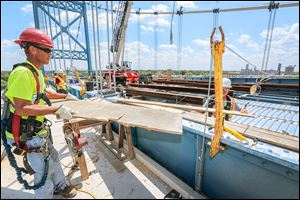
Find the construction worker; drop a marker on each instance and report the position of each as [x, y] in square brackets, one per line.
[46, 79]
[228, 101]
[26, 125]
[60, 83]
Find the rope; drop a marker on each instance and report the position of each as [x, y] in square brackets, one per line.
[20, 170]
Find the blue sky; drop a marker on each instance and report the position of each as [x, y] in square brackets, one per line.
[245, 32]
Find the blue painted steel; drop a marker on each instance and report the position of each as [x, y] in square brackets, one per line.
[238, 172]
[71, 6]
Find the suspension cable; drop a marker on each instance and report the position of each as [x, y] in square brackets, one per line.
[155, 41]
[171, 31]
[274, 6]
[260, 7]
[46, 30]
[113, 53]
[108, 52]
[97, 77]
[95, 46]
[267, 39]
[200, 166]
[54, 60]
[239, 56]
[62, 41]
[139, 40]
[179, 13]
[56, 32]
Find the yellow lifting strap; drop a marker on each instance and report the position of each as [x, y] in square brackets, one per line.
[217, 50]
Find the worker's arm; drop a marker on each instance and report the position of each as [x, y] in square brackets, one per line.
[24, 107]
[237, 107]
[54, 95]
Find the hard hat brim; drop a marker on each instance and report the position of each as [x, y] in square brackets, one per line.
[18, 41]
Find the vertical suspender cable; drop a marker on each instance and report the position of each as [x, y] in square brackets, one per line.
[139, 40]
[46, 30]
[57, 37]
[70, 48]
[266, 44]
[68, 30]
[108, 52]
[155, 40]
[113, 53]
[179, 38]
[99, 52]
[50, 27]
[62, 41]
[201, 154]
[270, 41]
[95, 46]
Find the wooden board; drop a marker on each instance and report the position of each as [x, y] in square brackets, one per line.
[195, 108]
[129, 115]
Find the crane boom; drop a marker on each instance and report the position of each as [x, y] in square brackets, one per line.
[121, 22]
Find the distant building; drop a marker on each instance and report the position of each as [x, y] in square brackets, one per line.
[289, 69]
[249, 71]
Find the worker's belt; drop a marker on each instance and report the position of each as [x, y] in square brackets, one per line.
[29, 127]
[42, 149]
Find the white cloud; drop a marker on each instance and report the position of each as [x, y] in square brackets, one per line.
[27, 8]
[202, 43]
[147, 28]
[7, 44]
[245, 39]
[160, 8]
[187, 4]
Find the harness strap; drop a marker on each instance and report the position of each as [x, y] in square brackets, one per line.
[16, 118]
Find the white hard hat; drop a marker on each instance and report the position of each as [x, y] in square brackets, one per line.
[60, 71]
[226, 83]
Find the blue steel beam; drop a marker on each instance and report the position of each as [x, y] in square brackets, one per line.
[72, 6]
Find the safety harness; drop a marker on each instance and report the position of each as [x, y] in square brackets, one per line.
[24, 130]
[230, 102]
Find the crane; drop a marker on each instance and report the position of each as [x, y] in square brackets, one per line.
[123, 73]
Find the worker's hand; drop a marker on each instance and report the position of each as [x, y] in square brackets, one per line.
[71, 97]
[244, 111]
[64, 112]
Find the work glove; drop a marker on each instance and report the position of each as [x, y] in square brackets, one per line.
[71, 97]
[64, 112]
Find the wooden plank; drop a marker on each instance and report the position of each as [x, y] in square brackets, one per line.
[130, 151]
[121, 135]
[134, 116]
[195, 108]
[110, 135]
[270, 137]
[82, 165]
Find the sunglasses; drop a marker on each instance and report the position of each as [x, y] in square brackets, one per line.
[46, 50]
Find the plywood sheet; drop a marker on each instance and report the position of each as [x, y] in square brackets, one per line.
[135, 116]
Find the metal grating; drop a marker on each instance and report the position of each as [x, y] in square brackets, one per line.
[280, 118]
